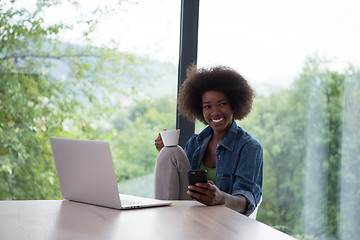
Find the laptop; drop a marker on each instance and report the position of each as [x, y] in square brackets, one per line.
[86, 174]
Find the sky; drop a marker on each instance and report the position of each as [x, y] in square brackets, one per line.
[266, 41]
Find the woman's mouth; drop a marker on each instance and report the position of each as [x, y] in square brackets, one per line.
[217, 120]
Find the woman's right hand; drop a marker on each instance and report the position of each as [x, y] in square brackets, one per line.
[159, 142]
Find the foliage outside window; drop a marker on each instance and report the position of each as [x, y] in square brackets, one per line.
[52, 88]
[309, 149]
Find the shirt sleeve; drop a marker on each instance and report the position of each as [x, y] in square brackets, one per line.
[249, 172]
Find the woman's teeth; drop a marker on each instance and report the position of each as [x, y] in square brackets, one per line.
[217, 120]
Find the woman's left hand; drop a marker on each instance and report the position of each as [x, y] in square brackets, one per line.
[159, 144]
[211, 194]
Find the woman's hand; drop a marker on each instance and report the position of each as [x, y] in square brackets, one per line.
[214, 196]
[211, 194]
[159, 143]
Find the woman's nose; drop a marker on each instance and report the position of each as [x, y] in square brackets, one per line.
[215, 110]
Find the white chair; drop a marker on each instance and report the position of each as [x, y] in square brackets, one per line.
[253, 215]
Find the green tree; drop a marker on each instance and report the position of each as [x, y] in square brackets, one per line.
[133, 144]
[300, 129]
[50, 88]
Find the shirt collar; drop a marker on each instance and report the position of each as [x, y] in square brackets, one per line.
[229, 140]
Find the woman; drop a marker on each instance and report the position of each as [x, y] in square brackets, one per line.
[232, 157]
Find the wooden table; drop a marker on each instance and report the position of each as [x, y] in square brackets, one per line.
[185, 220]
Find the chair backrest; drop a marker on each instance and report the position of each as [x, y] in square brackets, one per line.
[254, 213]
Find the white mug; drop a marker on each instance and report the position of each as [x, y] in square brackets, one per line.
[170, 138]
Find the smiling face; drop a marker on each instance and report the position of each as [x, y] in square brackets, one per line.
[217, 110]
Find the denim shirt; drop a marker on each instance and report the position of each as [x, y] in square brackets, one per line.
[239, 162]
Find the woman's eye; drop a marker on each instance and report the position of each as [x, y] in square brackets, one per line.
[206, 107]
[222, 104]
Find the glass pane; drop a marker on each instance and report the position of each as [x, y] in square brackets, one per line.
[302, 58]
[104, 70]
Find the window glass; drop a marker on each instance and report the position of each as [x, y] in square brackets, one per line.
[302, 58]
[102, 70]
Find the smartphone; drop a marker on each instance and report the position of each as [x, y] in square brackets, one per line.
[197, 176]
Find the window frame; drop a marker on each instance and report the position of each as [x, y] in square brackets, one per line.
[189, 25]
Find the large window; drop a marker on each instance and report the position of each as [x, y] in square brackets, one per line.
[104, 70]
[302, 58]
[107, 70]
